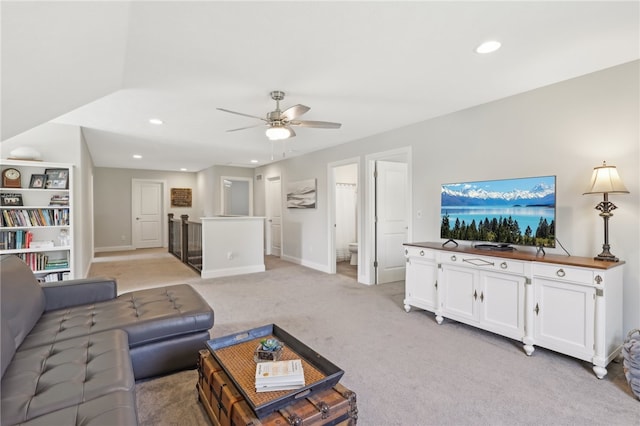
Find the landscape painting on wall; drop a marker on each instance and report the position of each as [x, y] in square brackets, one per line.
[301, 194]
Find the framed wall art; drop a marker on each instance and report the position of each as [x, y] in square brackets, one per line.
[301, 194]
[180, 197]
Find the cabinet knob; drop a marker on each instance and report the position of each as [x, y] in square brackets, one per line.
[475, 295]
[504, 265]
[482, 296]
[598, 279]
[406, 251]
[421, 252]
[560, 272]
[454, 258]
[537, 309]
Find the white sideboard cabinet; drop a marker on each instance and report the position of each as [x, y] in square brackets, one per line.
[568, 304]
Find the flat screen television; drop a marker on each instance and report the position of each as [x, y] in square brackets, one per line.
[520, 211]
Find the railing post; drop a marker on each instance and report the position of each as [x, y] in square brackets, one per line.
[170, 232]
[185, 237]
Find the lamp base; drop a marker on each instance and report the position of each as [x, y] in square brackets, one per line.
[611, 258]
[606, 255]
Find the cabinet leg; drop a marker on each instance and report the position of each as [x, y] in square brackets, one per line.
[439, 319]
[600, 371]
[407, 308]
[528, 349]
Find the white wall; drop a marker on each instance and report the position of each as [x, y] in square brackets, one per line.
[210, 189]
[564, 129]
[112, 207]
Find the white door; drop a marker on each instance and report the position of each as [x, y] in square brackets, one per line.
[392, 220]
[146, 207]
[274, 216]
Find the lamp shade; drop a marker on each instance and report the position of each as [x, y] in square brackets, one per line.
[276, 133]
[605, 180]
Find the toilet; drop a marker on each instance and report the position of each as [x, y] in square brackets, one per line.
[353, 249]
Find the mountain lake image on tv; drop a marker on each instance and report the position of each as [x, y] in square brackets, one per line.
[518, 211]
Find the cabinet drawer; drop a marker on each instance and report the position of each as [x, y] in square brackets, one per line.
[564, 273]
[484, 262]
[419, 252]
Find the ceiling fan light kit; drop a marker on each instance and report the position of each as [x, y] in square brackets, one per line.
[279, 122]
[277, 133]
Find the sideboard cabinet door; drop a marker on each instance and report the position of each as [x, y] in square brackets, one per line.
[564, 316]
[502, 304]
[421, 286]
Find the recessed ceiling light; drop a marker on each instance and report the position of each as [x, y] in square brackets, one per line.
[488, 46]
[183, 169]
[156, 121]
[254, 161]
[137, 156]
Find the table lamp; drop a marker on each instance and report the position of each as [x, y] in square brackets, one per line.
[605, 180]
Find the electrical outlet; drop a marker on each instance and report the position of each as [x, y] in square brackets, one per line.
[229, 255]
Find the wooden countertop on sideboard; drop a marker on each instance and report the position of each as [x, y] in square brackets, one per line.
[586, 262]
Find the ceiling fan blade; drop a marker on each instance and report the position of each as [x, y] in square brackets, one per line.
[295, 111]
[243, 114]
[317, 124]
[293, 134]
[247, 127]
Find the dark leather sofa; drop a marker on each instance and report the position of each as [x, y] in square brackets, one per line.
[71, 351]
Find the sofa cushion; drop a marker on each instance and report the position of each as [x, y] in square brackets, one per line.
[22, 299]
[8, 345]
[147, 316]
[116, 408]
[64, 374]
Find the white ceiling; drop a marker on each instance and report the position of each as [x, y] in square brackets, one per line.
[373, 66]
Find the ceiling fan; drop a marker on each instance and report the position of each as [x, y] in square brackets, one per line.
[280, 122]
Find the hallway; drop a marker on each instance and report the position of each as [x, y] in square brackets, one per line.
[142, 268]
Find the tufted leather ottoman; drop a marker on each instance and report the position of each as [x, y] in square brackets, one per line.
[166, 321]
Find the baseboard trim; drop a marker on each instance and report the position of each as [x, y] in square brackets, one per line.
[308, 264]
[226, 272]
[113, 248]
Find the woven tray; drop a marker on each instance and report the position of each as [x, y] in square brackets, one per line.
[234, 353]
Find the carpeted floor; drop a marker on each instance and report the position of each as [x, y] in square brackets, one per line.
[405, 368]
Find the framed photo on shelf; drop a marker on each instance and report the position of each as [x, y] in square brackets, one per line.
[57, 179]
[38, 181]
[7, 199]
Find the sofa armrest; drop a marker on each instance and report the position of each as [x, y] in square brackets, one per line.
[64, 294]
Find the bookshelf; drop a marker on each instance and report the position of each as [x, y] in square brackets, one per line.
[36, 217]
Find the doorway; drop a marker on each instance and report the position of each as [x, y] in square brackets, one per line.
[345, 217]
[147, 213]
[389, 215]
[273, 234]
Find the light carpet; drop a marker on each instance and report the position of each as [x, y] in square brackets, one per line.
[404, 367]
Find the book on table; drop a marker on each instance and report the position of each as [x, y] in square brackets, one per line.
[279, 375]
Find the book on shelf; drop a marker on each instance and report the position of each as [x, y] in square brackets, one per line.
[59, 200]
[15, 240]
[279, 375]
